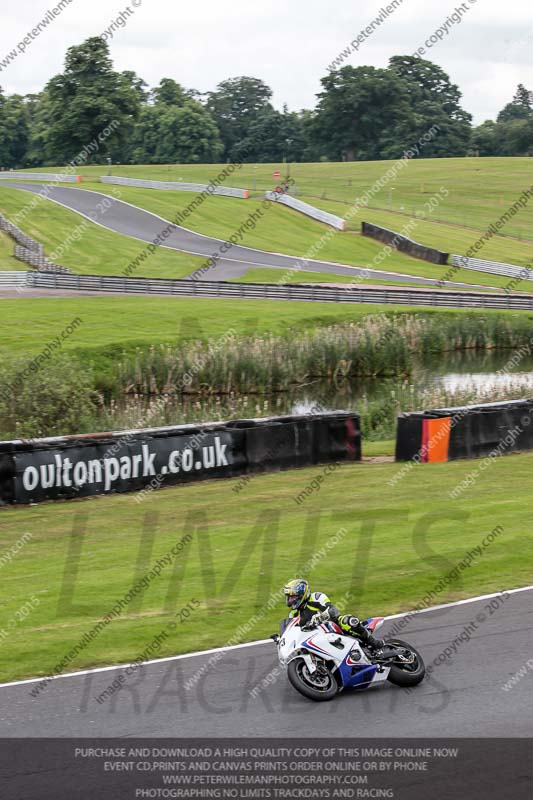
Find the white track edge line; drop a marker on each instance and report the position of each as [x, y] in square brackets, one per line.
[258, 642]
[377, 272]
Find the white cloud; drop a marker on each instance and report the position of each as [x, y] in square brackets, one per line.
[289, 45]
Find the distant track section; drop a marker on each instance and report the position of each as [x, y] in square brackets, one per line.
[267, 291]
[174, 186]
[232, 261]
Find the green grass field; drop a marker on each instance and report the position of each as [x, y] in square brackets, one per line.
[471, 202]
[259, 275]
[279, 230]
[481, 189]
[282, 230]
[447, 237]
[396, 545]
[399, 540]
[97, 251]
[116, 323]
[383, 448]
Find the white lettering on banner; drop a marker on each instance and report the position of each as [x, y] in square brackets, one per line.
[67, 464]
[208, 456]
[69, 471]
[47, 475]
[58, 470]
[221, 453]
[136, 461]
[111, 471]
[95, 472]
[148, 461]
[187, 459]
[30, 479]
[125, 468]
[80, 473]
[173, 462]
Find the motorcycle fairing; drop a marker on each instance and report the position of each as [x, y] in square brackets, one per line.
[356, 675]
[372, 623]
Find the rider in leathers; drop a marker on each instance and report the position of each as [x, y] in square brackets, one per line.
[316, 607]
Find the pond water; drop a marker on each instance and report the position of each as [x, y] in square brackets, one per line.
[451, 379]
[499, 371]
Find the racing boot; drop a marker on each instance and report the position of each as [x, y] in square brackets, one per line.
[358, 630]
[374, 644]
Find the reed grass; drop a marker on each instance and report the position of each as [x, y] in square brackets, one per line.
[265, 375]
[378, 346]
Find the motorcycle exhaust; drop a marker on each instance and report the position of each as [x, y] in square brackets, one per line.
[391, 653]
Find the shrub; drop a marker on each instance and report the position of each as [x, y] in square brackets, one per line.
[53, 399]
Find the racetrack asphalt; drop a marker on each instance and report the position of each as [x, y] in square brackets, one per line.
[132, 221]
[463, 696]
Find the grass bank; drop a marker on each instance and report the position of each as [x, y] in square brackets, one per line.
[87, 248]
[285, 231]
[113, 324]
[260, 275]
[481, 189]
[279, 229]
[396, 546]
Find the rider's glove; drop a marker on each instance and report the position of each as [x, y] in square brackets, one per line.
[353, 622]
[316, 619]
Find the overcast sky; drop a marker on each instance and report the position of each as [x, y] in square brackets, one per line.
[287, 44]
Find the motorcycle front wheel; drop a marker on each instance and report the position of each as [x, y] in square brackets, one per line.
[319, 685]
[410, 672]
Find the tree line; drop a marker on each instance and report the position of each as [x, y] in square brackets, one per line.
[362, 113]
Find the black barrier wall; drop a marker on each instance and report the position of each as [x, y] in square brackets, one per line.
[446, 434]
[136, 461]
[404, 244]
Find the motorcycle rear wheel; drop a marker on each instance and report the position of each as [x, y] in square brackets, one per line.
[319, 687]
[407, 674]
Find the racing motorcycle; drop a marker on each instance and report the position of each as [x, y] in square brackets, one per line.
[321, 660]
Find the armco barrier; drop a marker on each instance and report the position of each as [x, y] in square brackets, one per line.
[173, 186]
[28, 250]
[133, 461]
[446, 434]
[316, 213]
[38, 261]
[266, 291]
[14, 278]
[402, 243]
[20, 237]
[50, 177]
[493, 267]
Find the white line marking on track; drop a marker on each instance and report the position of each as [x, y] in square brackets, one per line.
[377, 274]
[258, 642]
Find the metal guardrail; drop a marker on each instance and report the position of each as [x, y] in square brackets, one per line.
[266, 291]
[23, 240]
[310, 211]
[174, 186]
[493, 267]
[29, 250]
[39, 261]
[50, 177]
[13, 278]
